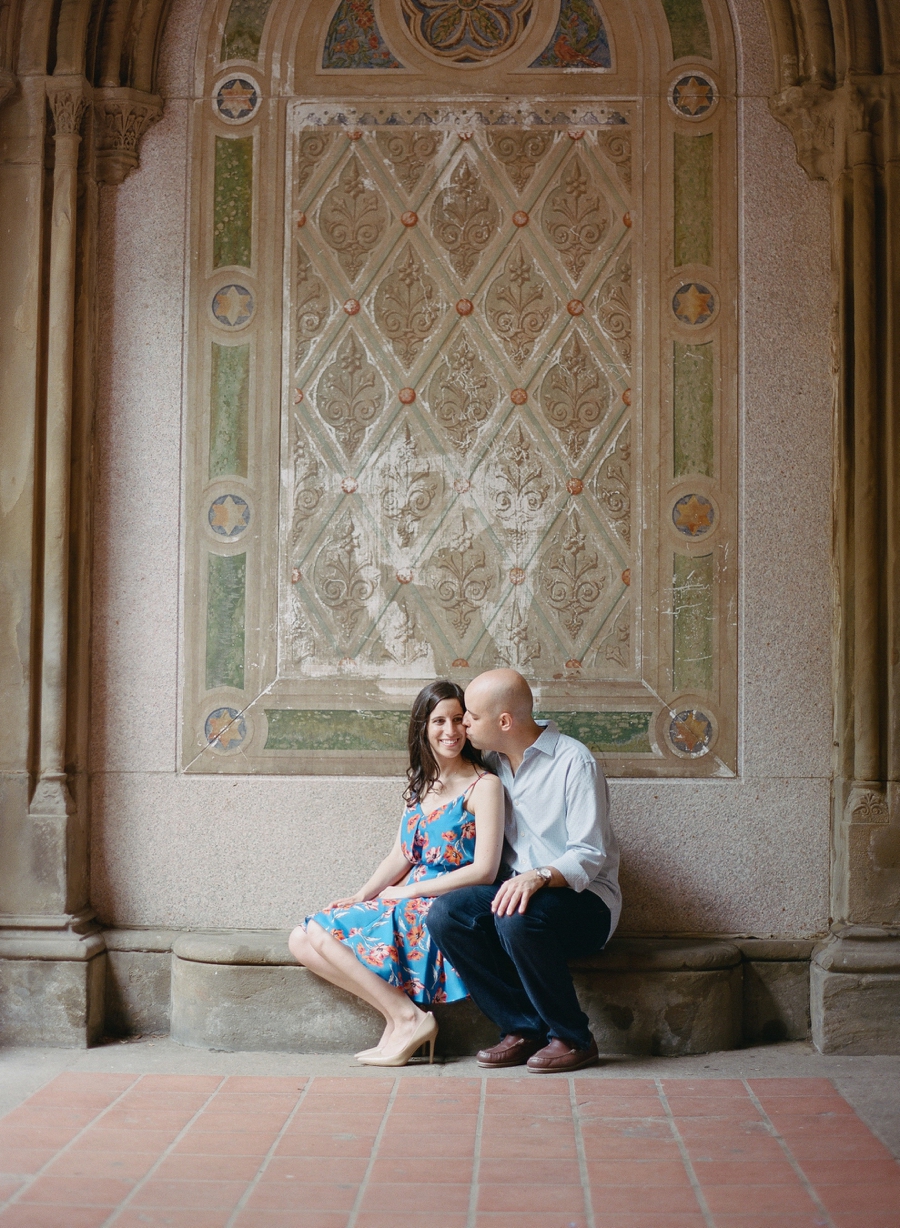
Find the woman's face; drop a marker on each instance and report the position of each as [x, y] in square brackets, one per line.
[446, 735]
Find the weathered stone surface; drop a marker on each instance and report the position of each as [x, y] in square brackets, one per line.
[138, 987]
[56, 1002]
[855, 994]
[244, 991]
[775, 1001]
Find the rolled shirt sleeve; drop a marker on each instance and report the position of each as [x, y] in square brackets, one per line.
[588, 832]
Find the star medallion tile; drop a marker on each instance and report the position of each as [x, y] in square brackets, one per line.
[237, 99]
[225, 729]
[229, 516]
[693, 95]
[233, 306]
[693, 303]
[693, 515]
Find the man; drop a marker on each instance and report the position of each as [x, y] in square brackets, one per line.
[557, 896]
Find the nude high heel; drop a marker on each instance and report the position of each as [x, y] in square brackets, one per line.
[424, 1034]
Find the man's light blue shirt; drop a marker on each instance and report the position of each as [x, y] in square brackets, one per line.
[557, 814]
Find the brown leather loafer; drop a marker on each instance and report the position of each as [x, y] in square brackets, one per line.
[558, 1057]
[513, 1050]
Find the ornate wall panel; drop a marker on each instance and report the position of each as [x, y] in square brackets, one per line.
[460, 392]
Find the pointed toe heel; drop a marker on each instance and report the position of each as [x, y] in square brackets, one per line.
[425, 1034]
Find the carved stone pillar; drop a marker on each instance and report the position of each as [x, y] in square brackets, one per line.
[851, 136]
[52, 971]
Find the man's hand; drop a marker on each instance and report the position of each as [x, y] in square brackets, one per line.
[515, 893]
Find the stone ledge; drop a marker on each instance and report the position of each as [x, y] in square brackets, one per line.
[243, 990]
[855, 992]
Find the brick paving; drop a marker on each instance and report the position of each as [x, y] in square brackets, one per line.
[211, 1151]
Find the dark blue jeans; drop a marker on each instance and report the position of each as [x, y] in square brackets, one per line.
[515, 967]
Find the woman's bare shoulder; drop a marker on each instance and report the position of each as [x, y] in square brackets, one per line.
[488, 786]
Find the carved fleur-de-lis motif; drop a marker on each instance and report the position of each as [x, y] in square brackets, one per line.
[464, 217]
[616, 143]
[519, 151]
[308, 490]
[406, 306]
[352, 218]
[612, 484]
[408, 487]
[402, 640]
[461, 394]
[515, 647]
[519, 304]
[572, 580]
[310, 148]
[614, 306]
[518, 485]
[408, 152]
[574, 395]
[345, 578]
[350, 394]
[301, 636]
[575, 217]
[616, 646]
[311, 303]
[463, 577]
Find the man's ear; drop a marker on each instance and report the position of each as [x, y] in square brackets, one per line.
[505, 722]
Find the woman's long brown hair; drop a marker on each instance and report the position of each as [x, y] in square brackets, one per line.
[423, 770]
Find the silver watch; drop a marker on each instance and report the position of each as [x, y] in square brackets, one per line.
[545, 872]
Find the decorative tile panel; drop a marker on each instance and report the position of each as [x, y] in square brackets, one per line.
[692, 588]
[225, 602]
[579, 40]
[354, 39]
[692, 376]
[244, 29]
[693, 199]
[233, 210]
[688, 27]
[229, 410]
[489, 418]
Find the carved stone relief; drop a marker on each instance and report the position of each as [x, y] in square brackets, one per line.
[407, 306]
[575, 395]
[464, 218]
[350, 394]
[352, 218]
[462, 393]
[575, 217]
[519, 304]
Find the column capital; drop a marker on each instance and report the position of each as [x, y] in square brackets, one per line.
[68, 97]
[122, 116]
[808, 112]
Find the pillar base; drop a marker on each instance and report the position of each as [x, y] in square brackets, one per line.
[855, 992]
[51, 982]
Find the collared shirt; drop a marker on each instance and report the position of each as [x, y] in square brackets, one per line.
[557, 814]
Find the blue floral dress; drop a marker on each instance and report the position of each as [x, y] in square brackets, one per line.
[390, 936]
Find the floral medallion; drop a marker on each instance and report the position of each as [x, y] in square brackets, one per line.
[691, 732]
[466, 31]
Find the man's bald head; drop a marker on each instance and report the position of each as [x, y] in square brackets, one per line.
[502, 690]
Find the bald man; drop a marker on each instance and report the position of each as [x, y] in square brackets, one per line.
[557, 897]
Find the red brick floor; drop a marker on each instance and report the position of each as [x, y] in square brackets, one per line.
[204, 1151]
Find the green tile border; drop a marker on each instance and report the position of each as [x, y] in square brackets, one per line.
[317, 729]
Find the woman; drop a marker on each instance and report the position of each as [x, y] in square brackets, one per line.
[375, 943]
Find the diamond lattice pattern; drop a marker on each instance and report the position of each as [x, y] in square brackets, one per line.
[458, 486]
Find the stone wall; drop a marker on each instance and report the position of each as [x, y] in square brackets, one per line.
[744, 855]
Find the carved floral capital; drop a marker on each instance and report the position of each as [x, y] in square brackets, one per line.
[122, 116]
[68, 103]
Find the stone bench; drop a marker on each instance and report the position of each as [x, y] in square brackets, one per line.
[242, 990]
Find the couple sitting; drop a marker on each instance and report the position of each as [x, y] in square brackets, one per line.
[456, 908]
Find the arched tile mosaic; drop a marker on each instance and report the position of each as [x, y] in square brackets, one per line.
[463, 382]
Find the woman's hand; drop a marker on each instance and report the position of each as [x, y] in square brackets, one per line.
[346, 901]
[400, 892]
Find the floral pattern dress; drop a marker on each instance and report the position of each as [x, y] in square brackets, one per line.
[390, 936]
